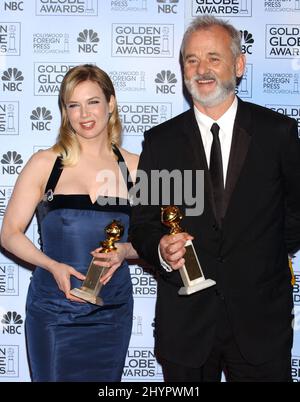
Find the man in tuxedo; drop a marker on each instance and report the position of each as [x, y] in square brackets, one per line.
[250, 156]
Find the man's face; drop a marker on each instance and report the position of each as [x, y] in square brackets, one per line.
[210, 69]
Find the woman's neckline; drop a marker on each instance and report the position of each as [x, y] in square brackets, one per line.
[49, 197]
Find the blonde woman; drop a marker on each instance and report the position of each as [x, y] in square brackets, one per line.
[69, 339]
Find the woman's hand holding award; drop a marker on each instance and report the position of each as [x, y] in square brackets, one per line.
[89, 291]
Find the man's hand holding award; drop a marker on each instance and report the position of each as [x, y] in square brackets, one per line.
[191, 273]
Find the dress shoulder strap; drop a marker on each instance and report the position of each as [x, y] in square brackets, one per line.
[54, 175]
[123, 167]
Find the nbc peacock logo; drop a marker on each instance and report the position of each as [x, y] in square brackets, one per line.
[88, 41]
[12, 80]
[247, 41]
[14, 6]
[12, 323]
[11, 163]
[41, 118]
[167, 6]
[165, 81]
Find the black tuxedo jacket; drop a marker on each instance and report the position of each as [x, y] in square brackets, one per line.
[247, 255]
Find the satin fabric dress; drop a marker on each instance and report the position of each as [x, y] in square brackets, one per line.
[72, 341]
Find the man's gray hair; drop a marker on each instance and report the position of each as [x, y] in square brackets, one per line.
[206, 22]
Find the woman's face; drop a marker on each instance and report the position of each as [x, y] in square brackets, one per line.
[88, 110]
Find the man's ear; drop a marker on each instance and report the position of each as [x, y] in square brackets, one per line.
[240, 64]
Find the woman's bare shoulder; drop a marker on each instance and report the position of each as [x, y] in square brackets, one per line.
[43, 157]
[36, 172]
[41, 162]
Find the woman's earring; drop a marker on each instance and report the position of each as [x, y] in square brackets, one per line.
[109, 115]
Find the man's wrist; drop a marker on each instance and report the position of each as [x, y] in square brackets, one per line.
[163, 263]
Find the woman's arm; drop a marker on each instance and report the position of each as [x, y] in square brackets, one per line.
[28, 192]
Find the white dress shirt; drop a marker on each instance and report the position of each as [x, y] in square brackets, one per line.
[226, 123]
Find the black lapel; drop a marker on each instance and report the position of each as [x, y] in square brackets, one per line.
[192, 134]
[241, 138]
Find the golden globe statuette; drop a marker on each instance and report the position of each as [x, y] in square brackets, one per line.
[91, 286]
[191, 273]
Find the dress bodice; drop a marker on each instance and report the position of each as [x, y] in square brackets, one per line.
[71, 226]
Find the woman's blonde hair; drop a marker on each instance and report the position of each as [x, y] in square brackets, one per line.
[67, 143]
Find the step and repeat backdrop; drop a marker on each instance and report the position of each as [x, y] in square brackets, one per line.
[137, 42]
